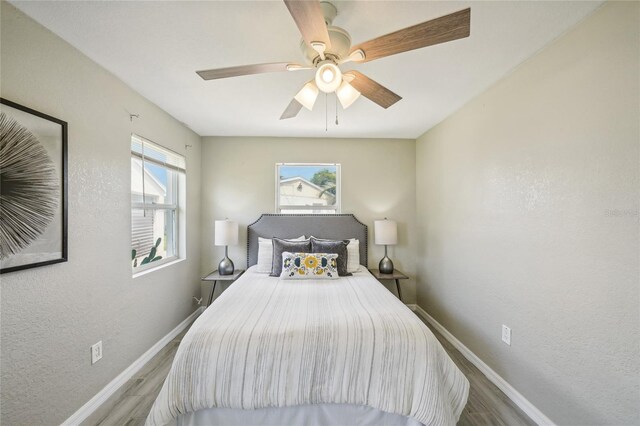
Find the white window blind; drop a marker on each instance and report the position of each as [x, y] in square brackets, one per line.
[153, 153]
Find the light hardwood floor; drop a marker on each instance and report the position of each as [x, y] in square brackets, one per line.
[487, 405]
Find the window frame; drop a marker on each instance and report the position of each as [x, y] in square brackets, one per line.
[179, 185]
[334, 209]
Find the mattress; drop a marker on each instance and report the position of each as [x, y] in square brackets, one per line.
[308, 347]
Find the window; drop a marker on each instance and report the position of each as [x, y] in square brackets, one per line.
[157, 202]
[307, 188]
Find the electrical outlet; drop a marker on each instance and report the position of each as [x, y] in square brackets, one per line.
[506, 334]
[96, 352]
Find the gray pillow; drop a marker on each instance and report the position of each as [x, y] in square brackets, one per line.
[338, 247]
[280, 246]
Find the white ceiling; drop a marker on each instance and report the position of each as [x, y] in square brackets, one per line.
[156, 47]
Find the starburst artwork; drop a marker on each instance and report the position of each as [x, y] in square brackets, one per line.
[32, 188]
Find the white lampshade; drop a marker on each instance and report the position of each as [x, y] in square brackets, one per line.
[226, 233]
[307, 95]
[347, 94]
[328, 76]
[386, 232]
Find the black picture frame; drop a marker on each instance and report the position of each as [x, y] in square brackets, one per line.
[49, 142]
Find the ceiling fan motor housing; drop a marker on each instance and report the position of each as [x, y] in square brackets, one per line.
[340, 45]
[329, 12]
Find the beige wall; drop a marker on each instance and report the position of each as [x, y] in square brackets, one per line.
[51, 315]
[528, 216]
[378, 180]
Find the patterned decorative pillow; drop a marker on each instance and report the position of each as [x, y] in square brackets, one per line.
[300, 266]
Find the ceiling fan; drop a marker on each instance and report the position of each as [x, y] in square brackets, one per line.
[326, 47]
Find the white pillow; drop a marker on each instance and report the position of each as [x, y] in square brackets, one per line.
[353, 256]
[265, 253]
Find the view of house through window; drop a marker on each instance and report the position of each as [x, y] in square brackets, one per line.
[307, 188]
[157, 175]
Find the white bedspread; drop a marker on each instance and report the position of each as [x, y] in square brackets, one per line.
[267, 342]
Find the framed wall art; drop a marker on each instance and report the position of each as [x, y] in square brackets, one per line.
[33, 188]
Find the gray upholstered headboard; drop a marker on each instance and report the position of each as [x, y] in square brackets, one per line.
[329, 226]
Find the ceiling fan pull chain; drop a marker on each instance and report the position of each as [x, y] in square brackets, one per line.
[337, 110]
[326, 112]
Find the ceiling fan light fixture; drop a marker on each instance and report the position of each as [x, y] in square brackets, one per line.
[307, 95]
[347, 94]
[328, 76]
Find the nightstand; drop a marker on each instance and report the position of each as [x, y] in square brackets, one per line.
[215, 277]
[397, 276]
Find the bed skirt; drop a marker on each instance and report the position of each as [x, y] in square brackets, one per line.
[317, 415]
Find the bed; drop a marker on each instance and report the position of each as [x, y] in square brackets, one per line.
[309, 352]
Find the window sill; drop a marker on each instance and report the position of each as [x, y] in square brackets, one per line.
[161, 266]
[286, 210]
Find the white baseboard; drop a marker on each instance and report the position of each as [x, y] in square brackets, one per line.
[515, 396]
[92, 405]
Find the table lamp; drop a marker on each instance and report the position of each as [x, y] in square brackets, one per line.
[386, 232]
[226, 234]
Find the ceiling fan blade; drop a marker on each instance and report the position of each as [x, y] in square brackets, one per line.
[440, 30]
[310, 21]
[292, 110]
[248, 70]
[373, 90]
